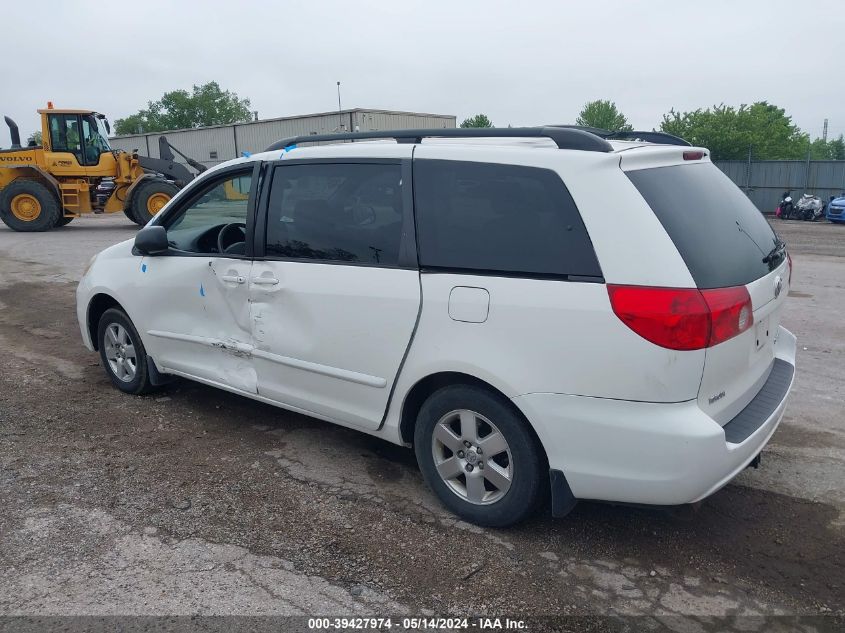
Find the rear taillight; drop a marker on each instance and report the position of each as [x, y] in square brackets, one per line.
[683, 318]
[730, 313]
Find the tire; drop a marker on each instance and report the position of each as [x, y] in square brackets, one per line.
[149, 198]
[28, 205]
[475, 485]
[64, 221]
[116, 336]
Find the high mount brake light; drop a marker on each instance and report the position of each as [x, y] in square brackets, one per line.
[693, 155]
[683, 318]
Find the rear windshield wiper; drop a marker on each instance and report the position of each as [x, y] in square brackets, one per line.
[773, 254]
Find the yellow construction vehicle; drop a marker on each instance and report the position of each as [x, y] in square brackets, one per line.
[75, 171]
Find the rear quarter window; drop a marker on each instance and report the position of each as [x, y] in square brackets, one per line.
[499, 219]
[721, 236]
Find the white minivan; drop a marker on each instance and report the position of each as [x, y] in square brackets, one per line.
[537, 311]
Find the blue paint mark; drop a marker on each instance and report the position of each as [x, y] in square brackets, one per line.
[202, 291]
[143, 268]
[246, 154]
[287, 149]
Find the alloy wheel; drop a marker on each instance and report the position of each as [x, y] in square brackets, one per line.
[120, 352]
[472, 457]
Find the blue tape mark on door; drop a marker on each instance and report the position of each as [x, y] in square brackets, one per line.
[143, 268]
[202, 291]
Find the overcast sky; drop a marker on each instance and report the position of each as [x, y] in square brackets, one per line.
[520, 62]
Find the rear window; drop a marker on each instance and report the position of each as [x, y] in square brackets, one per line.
[499, 218]
[718, 231]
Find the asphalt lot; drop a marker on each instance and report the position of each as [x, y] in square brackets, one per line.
[195, 501]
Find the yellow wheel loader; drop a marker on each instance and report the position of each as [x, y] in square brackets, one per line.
[74, 171]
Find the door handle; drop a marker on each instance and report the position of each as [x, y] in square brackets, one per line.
[265, 281]
[233, 279]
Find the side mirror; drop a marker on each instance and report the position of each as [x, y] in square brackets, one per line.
[152, 240]
[108, 127]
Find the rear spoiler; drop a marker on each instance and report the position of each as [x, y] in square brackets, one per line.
[661, 138]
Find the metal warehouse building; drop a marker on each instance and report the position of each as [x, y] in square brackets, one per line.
[218, 143]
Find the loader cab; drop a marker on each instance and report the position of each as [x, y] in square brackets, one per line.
[82, 133]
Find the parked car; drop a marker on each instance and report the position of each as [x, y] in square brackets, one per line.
[836, 209]
[541, 312]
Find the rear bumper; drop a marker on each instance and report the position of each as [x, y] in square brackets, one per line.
[654, 453]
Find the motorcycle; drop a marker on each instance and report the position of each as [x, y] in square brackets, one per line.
[810, 208]
[785, 208]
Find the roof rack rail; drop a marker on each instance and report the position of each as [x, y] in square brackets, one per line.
[564, 138]
[661, 138]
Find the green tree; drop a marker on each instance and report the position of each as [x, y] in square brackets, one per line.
[728, 132]
[133, 124]
[833, 149]
[479, 120]
[604, 115]
[35, 137]
[837, 148]
[205, 105]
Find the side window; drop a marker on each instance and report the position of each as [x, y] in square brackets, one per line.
[64, 134]
[336, 212]
[499, 218]
[218, 204]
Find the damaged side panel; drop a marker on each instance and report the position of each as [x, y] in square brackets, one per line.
[203, 325]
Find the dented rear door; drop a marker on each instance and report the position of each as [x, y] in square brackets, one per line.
[336, 294]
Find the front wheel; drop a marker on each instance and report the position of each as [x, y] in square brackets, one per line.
[479, 456]
[122, 353]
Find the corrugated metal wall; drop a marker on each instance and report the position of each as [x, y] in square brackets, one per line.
[764, 181]
[213, 145]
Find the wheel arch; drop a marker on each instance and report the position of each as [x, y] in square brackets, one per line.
[133, 188]
[97, 306]
[34, 172]
[426, 386]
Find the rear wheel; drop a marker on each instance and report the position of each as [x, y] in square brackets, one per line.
[479, 456]
[149, 199]
[28, 205]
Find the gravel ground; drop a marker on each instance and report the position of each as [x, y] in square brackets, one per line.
[195, 501]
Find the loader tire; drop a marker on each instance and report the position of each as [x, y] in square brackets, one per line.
[149, 199]
[64, 220]
[28, 205]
